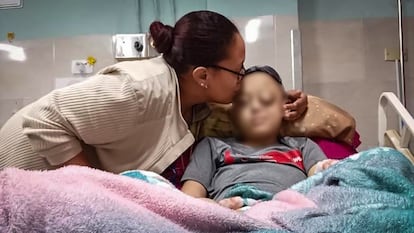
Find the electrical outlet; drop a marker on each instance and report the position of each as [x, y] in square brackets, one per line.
[81, 67]
[391, 54]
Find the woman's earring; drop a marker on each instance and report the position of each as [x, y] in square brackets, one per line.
[204, 85]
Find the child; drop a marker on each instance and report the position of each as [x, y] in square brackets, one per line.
[260, 157]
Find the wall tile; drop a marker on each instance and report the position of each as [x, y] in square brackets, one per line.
[23, 82]
[272, 46]
[332, 51]
[262, 50]
[31, 78]
[378, 35]
[80, 47]
[343, 61]
[360, 99]
[283, 27]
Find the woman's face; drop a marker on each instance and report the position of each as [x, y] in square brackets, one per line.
[223, 84]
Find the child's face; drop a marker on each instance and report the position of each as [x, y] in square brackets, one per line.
[258, 108]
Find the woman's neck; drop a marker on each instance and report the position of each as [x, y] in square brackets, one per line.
[190, 95]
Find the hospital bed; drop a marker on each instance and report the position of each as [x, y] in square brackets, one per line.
[400, 137]
[79, 199]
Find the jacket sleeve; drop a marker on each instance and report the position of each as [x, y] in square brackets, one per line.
[99, 110]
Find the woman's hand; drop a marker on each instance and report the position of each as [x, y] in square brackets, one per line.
[297, 105]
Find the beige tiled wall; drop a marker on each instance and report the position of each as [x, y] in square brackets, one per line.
[273, 44]
[283, 27]
[22, 82]
[29, 78]
[343, 61]
[68, 49]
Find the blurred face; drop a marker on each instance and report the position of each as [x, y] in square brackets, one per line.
[258, 108]
[223, 84]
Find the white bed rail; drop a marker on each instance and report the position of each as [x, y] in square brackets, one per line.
[386, 100]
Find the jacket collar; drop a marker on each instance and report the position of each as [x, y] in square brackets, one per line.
[201, 112]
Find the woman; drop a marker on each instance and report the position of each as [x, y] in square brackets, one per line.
[135, 114]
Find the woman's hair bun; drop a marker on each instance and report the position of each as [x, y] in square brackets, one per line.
[162, 36]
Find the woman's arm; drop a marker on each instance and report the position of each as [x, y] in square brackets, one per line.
[99, 110]
[80, 159]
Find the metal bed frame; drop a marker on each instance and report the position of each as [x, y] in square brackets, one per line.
[402, 138]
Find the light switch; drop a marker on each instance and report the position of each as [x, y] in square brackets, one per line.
[81, 67]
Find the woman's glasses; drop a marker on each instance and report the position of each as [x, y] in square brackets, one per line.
[240, 74]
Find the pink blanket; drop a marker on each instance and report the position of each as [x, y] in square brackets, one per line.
[355, 195]
[80, 199]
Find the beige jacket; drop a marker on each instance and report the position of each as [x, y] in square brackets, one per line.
[127, 116]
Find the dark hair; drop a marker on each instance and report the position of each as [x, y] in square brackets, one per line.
[199, 38]
[267, 70]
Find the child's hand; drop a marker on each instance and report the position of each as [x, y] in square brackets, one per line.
[325, 164]
[233, 203]
[328, 162]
